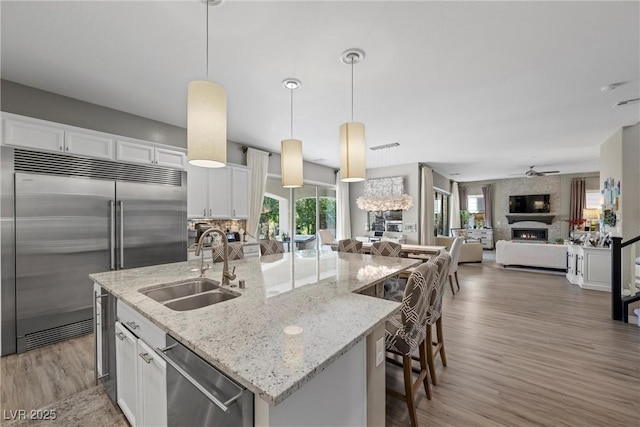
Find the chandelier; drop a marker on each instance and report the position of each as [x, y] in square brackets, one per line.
[384, 194]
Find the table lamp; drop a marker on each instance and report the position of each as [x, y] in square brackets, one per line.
[590, 215]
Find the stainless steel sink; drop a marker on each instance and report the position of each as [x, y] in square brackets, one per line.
[190, 294]
[172, 291]
[201, 300]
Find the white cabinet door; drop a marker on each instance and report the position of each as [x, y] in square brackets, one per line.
[136, 153]
[197, 192]
[152, 387]
[88, 145]
[170, 158]
[219, 194]
[33, 135]
[240, 190]
[126, 373]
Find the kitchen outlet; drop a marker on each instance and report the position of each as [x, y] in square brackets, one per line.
[379, 352]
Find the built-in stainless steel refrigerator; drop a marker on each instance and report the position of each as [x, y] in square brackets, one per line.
[74, 216]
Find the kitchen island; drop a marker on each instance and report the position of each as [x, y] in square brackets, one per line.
[250, 339]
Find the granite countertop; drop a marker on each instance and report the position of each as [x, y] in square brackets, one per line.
[249, 338]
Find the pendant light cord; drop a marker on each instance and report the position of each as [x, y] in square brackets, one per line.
[291, 90]
[352, 59]
[206, 4]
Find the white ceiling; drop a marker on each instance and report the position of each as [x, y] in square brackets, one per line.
[483, 89]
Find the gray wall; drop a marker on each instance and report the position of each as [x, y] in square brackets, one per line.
[411, 174]
[31, 102]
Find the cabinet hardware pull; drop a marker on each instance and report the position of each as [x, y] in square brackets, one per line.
[145, 357]
[133, 325]
[121, 336]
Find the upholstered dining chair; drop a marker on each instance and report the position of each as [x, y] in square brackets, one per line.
[326, 237]
[456, 247]
[234, 251]
[350, 245]
[405, 333]
[386, 248]
[271, 247]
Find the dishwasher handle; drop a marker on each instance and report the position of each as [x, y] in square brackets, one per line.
[224, 406]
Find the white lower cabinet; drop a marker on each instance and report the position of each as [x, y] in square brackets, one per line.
[589, 267]
[141, 380]
[127, 373]
[152, 387]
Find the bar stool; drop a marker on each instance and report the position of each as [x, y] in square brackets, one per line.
[434, 316]
[271, 247]
[350, 245]
[406, 333]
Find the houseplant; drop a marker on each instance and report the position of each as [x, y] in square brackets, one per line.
[464, 217]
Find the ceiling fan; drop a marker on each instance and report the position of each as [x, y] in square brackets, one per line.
[532, 172]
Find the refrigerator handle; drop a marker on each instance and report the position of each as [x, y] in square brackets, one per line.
[112, 235]
[121, 234]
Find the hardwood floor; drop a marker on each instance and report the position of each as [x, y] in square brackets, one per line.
[525, 349]
[59, 377]
[45, 375]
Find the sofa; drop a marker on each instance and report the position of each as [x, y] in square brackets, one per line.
[470, 252]
[527, 254]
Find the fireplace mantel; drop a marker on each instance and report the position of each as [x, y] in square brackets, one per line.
[544, 218]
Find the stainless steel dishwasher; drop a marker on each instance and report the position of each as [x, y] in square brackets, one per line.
[200, 395]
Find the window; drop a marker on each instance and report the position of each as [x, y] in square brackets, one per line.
[593, 199]
[441, 214]
[475, 204]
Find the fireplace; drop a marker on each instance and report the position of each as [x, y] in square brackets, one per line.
[529, 234]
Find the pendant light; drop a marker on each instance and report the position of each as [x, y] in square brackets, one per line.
[352, 145]
[207, 118]
[291, 149]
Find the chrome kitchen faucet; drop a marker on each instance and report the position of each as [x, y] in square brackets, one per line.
[226, 275]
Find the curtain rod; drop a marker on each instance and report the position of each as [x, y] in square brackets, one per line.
[245, 148]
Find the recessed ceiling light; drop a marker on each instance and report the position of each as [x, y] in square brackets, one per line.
[215, 2]
[626, 102]
[319, 160]
[612, 86]
[455, 174]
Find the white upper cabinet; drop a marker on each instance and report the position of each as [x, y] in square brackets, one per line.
[197, 192]
[32, 135]
[48, 136]
[137, 153]
[240, 191]
[88, 145]
[170, 158]
[218, 193]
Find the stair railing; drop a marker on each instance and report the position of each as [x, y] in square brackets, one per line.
[620, 303]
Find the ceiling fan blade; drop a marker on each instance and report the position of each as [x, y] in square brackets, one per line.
[549, 172]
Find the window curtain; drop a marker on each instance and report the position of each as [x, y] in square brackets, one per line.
[343, 213]
[462, 191]
[258, 162]
[487, 193]
[426, 206]
[578, 200]
[454, 210]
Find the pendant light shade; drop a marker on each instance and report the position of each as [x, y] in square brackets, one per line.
[291, 163]
[352, 144]
[207, 124]
[352, 152]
